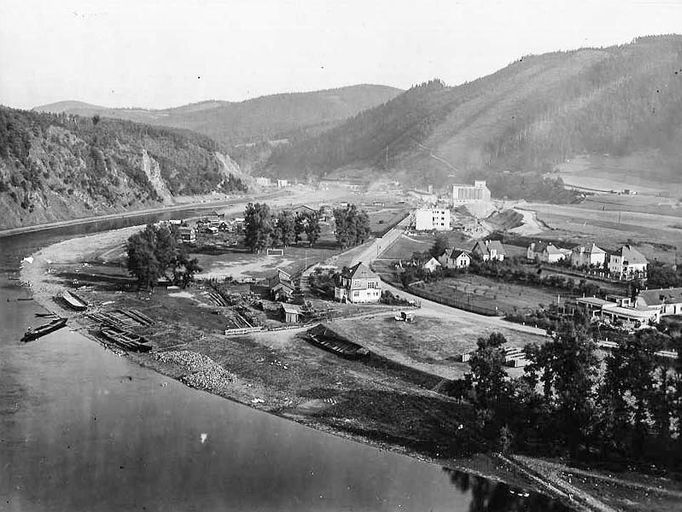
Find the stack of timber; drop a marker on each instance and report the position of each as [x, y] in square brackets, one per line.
[125, 339]
[73, 301]
[515, 357]
[33, 334]
[325, 338]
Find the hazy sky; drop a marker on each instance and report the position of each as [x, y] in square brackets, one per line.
[161, 53]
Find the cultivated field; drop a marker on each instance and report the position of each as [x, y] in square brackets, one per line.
[490, 293]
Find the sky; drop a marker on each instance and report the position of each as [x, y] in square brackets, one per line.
[164, 53]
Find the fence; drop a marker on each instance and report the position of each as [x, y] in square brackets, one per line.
[243, 330]
[456, 303]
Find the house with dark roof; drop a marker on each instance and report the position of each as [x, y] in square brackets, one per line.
[281, 286]
[455, 258]
[587, 256]
[667, 301]
[358, 284]
[627, 263]
[489, 250]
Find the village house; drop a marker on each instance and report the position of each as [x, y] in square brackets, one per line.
[627, 263]
[588, 256]
[432, 265]
[546, 252]
[358, 284]
[281, 287]
[489, 250]
[667, 301]
[455, 258]
[428, 219]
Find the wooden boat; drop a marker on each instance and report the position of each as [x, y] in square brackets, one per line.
[73, 301]
[332, 342]
[33, 334]
[125, 340]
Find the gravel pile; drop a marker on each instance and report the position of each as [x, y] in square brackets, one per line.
[204, 372]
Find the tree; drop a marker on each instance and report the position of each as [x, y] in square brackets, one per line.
[352, 226]
[312, 229]
[142, 262]
[284, 233]
[492, 390]
[439, 246]
[568, 369]
[154, 253]
[257, 227]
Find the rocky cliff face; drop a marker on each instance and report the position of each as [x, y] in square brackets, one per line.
[56, 167]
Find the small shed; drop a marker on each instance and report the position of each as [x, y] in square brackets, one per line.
[290, 314]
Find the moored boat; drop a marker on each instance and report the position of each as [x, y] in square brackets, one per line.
[73, 301]
[44, 329]
[332, 342]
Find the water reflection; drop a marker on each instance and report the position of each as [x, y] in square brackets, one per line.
[491, 496]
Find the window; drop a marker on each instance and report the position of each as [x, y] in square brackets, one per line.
[356, 293]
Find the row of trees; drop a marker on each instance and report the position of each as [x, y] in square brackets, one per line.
[155, 253]
[352, 226]
[628, 410]
[263, 229]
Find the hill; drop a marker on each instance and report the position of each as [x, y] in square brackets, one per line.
[252, 122]
[514, 125]
[62, 166]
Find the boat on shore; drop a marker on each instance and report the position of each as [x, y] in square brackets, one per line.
[33, 334]
[73, 301]
[125, 340]
[327, 339]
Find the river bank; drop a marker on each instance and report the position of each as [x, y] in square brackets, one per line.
[279, 373]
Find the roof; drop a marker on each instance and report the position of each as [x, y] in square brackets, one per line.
[290, 308]
[360, 271]
[432, 261]
[488, 246]
[280, 280]
[456, 253]
[631, 255]
[661, 296]
[593, 301]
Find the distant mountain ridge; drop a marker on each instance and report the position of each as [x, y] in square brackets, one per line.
[250, 121]
[63, 166]
[523, 119]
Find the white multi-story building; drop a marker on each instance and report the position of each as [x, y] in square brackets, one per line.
[428, 219]
[479, 192]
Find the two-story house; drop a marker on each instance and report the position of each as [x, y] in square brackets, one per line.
[587, 256]
[489, 250]
[627, 263]
[667, 301]
[358, 284]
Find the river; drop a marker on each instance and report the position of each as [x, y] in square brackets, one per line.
[84, 429]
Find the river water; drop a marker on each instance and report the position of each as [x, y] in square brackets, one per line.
[84, 429]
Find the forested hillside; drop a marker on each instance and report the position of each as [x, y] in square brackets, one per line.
[524, 119]
[250, 125]
[55, 167]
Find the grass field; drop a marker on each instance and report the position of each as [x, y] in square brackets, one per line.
[430, 344]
